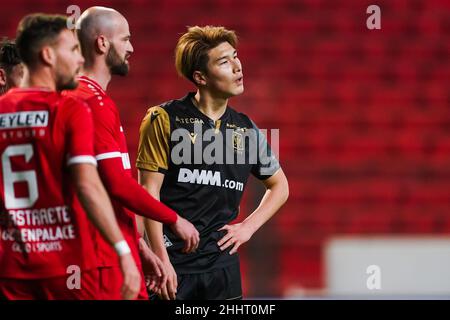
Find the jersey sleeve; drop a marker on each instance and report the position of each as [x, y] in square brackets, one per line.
[80, 133]
[124, 189]
[267, 164]
[106, 124]
[120, 186]
[153, 150]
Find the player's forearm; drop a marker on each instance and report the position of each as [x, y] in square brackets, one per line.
[155, 236]
[140, 225]
[124, 189]
[154, 229]
[271, 202]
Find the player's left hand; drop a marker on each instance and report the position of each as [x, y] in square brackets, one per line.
[237, 234]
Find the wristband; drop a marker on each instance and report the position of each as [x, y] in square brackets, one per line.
[122, 248]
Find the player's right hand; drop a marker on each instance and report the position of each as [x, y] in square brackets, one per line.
[131, 277]
[169, 284]
[152, 266]
[187, 232]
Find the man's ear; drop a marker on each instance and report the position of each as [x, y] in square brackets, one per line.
[48, 56]
[2, 77]
[199, 78]
[101, 44]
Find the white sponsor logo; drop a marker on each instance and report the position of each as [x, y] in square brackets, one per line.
[38, 230]
[208, 177]
[24, 119]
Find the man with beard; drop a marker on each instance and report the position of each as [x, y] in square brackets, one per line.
[47, 160]
[105, 42]
[11, 67]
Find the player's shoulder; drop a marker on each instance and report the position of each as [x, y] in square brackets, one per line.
[241, 118]
[164, 111]
[168, 106]
[89, 87]
[30, 94]
[29, 97]
[72, 106]
[100, 105]
[81, 91]
[91, 93]
[9, 97]
[70, 101]
[171, 108]
[8, 102]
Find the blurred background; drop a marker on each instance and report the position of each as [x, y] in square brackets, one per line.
[364, 119]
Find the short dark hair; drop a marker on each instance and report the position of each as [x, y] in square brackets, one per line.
[9, 57]
[191, 53]
[35, 31]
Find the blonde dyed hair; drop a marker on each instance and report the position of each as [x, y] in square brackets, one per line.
[191, 52]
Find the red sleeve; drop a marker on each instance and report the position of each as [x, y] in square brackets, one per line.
[106, 124]
[121, 186]
[80, 132]
[124, 189]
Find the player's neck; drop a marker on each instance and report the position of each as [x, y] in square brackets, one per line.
[210, 106]
[99, 73]
[39, 79]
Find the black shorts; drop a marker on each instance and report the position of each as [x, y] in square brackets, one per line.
[218, 284]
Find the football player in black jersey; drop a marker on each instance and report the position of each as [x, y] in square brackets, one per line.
[174, 163]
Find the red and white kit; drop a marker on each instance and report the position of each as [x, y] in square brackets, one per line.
[43, 229]
[127, 196]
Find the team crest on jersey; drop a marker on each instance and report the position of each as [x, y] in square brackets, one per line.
[238, 141]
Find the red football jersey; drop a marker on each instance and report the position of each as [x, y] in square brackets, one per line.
[109, 142]
[43, 229]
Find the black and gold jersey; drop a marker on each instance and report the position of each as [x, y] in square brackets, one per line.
[206, 166]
